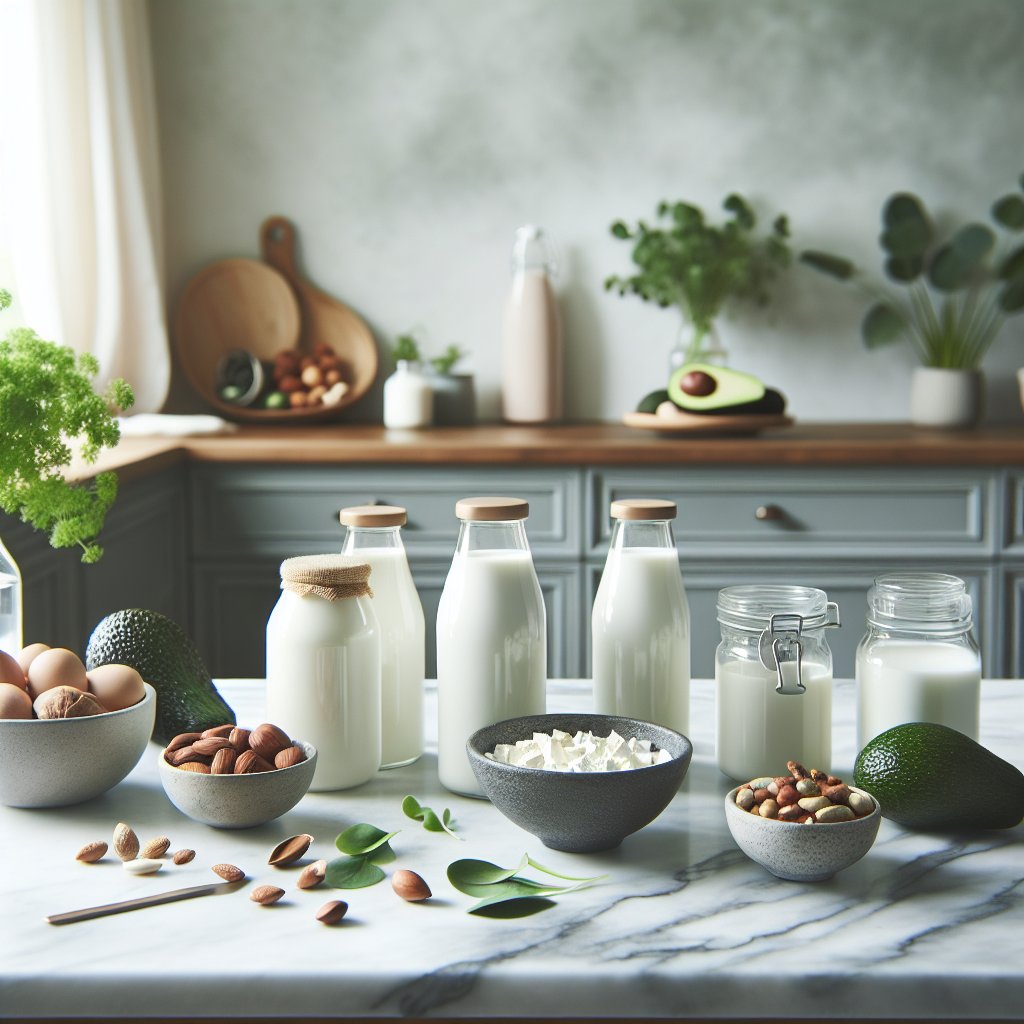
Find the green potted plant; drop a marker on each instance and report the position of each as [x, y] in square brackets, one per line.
[454, 393]
[47, 402]
[960, 288]
[696, 267]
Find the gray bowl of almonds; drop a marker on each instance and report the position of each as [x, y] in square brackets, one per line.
[231, 777]
[803, 826]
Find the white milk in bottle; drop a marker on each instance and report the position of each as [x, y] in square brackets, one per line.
[374, 537]
[918, 661]
[773, 676]
[531, 348]
[491, 633]
[640, 624]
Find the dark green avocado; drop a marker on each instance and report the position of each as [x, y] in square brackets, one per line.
[930, 777]
[162, 653]
[651, 401]
[701, 387]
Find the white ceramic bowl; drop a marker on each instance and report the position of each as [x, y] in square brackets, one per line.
[238, 801]
[801, 853]
[59, 761]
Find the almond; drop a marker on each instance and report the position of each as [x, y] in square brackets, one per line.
[210, 745]
[289, 851]
[223, 762]
[185, 754]
[155, 848]
[228, 872]
[410, 886]
[91, 852]
[289, 757]
[194, 766]
[184, 856]
[184, 739]
[239, 738]
[126, 842]
[143, 866]
[249, 762]
[266, 740]
[218, 730]
[266, 894]
[333, 912]
[312, 875]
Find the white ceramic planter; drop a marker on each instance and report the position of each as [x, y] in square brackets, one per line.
[945, 398]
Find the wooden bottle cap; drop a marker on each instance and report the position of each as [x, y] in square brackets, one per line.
[491, 510]
[643, 508]
[373, 515]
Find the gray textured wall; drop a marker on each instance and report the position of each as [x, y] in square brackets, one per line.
[409, 138]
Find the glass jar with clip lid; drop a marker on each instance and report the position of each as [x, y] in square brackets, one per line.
[773, 675]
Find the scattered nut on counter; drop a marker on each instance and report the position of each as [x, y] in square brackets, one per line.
[803, 797]
[312, 875]
[92, 852]
[126, 842]
[289, 850]
[143, 866]
[266, 894]
[410, 886]
[230, 750]
[184, 856]
[228, 872]
[155, 848]
[332, 912]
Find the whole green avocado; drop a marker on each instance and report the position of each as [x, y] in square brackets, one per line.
[164, 655]
[927, 776]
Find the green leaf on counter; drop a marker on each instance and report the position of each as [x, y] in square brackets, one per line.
[412, 808]
[504, 908]
[361, 839]
[494, 886]
[352, 873]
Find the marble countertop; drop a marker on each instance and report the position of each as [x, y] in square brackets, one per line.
[685, 926]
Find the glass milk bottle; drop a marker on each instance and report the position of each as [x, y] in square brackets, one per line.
[323, 666]
[531, 347]
[491, 633]
[918, 661]
[408, 398]
[773, 675]
[374, 537]
[641, 620]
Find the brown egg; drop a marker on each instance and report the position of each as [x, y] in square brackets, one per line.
[56, 667]
[29, 654]
[14, 702]
[116, 686]
[11, 672]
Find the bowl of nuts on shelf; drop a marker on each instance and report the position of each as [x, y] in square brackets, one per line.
[231, 777]
[67, 735]
[803, 826]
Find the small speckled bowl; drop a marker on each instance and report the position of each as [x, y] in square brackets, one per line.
[801, 853]
[238, 801]
[582, 812]
[55, 762]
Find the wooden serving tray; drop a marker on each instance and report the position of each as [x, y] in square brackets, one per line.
[681, 422]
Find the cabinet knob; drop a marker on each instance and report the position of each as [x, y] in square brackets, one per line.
[768, 513]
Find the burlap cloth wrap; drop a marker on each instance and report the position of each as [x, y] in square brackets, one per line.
[332, 577]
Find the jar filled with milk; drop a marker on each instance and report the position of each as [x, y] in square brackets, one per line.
[918, 661]
[491, 633]
[374, 537]
[640, 623]
[773, 674]
[323, 666]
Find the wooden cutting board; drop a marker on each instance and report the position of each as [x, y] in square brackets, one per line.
[323, 318]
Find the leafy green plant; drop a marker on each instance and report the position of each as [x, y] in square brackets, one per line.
[364, 847]
[47, 401]
[697, 267]
[406, 349]
[959, 289]
[412, 808]
[503, 892]
[447, 359]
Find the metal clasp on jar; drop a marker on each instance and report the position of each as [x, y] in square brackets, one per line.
[780, 645]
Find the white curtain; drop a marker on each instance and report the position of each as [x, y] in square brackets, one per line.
[80, 180]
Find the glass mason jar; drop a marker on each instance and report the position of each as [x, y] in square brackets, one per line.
[10, 603]
[374, 537]
[491, 633]
[323, 666]
[640, 625]
[773, 675]
[918, 661]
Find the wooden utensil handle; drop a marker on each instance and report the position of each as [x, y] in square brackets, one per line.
[123, 906]
[277, 241]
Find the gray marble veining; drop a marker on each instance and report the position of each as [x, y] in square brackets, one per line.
[685, 925]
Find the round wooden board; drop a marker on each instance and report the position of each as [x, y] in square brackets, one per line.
[691, 423]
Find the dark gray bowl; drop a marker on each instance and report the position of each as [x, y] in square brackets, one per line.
[583, 812]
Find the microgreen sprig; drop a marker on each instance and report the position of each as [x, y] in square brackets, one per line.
[412, 808]
[364, 847]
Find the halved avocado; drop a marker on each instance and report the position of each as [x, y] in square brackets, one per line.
[701, 387]
[771, 403]
[651, 401]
